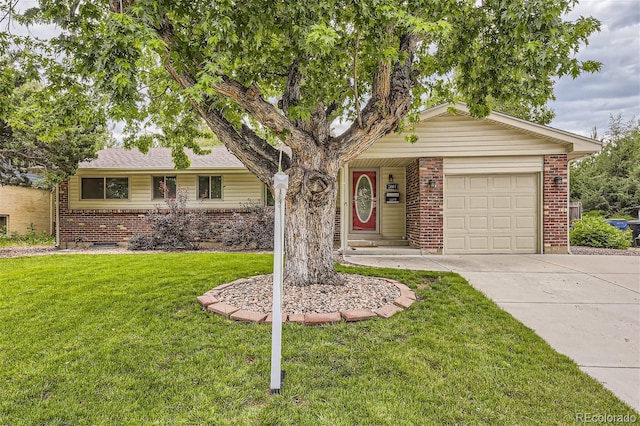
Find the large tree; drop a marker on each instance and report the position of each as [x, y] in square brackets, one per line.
[609, 181]
[259, 71]
[47, 130]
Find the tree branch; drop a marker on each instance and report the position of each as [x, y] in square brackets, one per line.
[250, 99]
[254, 152]
[389, 103]
[355, 81]
[291, 95]
[247, 98]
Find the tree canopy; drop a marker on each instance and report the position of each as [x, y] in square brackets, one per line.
[260, 72]
[609, 181]
[311, 61]
[48, 130]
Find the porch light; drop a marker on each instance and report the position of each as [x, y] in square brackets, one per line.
[558, 180]
[390, 178]
[432, 183]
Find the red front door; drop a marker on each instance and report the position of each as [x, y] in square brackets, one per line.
[364, 201]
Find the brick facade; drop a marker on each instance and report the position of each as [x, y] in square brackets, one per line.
[555, 199]
[84, 227]
[424, 211]
[425, 221]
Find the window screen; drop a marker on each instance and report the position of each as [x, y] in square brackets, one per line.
[210, 187]
[105, 188]
[169, 181]
[92, 188]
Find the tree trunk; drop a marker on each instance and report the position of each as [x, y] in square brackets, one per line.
[316, 155]
[310, 225]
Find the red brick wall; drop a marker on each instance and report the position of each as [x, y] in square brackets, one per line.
[555, 205]
[425, 204]
[85, 227]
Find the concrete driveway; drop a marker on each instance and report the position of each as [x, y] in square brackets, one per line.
[586, 307]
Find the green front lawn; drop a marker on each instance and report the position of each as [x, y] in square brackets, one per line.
[120, 339]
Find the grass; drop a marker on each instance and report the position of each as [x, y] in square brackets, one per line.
[120, 339]
[30, 238]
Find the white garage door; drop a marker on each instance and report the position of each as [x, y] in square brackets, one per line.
[491, 214]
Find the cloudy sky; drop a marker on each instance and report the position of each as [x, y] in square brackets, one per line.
[590, 99]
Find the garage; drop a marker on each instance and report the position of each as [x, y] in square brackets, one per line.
[491, 213]
[497, 184]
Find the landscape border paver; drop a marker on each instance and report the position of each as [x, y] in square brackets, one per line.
[211, 303]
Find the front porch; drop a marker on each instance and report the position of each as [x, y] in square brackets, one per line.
[391, 203]
[372, 205]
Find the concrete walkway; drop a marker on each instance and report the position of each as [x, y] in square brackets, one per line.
[586, 307]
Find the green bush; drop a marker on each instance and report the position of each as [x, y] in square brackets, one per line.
[31, 237]
[594, 213]
[594, 231]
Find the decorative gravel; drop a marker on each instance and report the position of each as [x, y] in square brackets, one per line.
[633, 251]
[23, 251]
[359, 292]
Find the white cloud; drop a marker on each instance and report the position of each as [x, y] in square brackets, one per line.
[591, 99]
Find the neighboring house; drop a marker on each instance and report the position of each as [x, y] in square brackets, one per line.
[492, 185]
[24, 208]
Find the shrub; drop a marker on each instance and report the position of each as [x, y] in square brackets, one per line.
[174, 229]
[595, 231]
[251, 230]
[141, 242]
[594, 213]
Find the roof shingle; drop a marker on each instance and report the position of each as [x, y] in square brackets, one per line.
[160, 159]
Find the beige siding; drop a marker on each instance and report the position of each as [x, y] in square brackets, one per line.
[26, 206]
[392, 216]
[237, 188]
[520, 164]
[462, 136]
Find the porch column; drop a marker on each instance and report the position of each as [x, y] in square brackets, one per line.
[425, 204]
[555, 199]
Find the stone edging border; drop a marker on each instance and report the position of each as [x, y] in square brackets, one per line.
[210, 302]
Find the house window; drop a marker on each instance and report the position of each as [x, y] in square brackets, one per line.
[210, 187]
[268, 197]
[105, 188]
[4, 224]
[160, 181]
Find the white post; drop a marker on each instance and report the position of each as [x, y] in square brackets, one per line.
[280, 183]
[344, 209]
